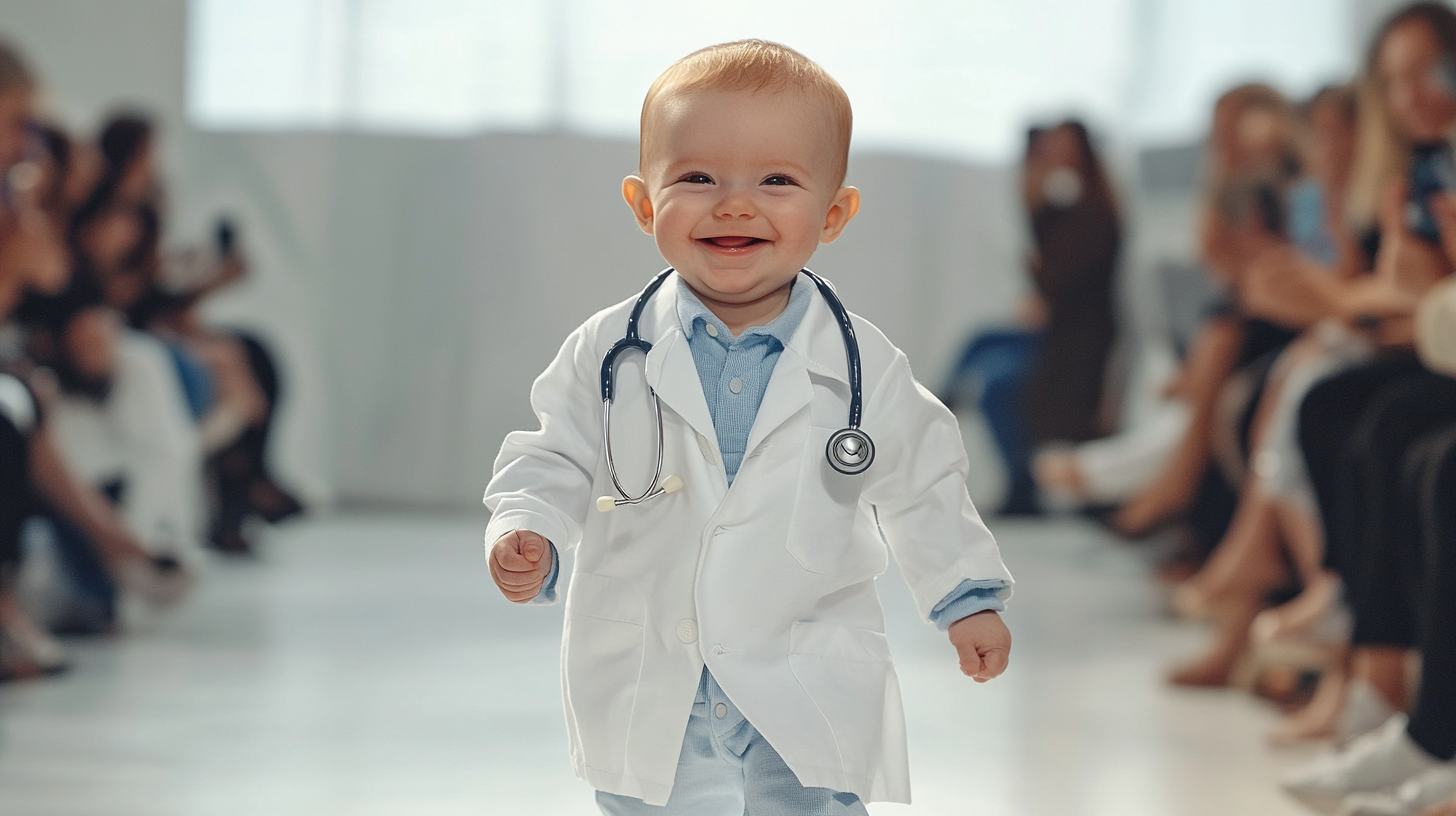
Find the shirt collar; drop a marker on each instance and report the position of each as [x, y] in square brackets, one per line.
[690, 311]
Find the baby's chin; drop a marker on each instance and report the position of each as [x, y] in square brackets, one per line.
[737, 286]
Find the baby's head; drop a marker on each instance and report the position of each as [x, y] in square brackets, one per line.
[743, 156]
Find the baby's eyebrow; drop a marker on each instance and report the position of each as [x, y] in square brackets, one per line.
[794, 167]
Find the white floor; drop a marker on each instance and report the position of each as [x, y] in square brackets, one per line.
[366, 665]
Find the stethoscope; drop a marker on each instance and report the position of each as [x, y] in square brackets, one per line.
[849, 450]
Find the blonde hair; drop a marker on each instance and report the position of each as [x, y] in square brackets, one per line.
[753, 66]
[1228, 111]
[1383, 152]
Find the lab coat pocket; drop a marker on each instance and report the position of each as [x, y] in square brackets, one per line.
[848, 674]
[825, 505]
[605, 622]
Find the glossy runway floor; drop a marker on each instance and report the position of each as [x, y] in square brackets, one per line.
[365, 666]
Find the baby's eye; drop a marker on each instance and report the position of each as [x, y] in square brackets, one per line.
[780, 181]
[697, 178]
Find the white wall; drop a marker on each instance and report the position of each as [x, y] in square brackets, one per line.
[415, 287]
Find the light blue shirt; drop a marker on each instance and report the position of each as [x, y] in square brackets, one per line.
[735, 372]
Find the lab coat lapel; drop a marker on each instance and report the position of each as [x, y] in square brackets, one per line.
[670, 368]
[812, 347]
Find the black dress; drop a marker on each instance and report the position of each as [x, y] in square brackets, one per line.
[1078, 250]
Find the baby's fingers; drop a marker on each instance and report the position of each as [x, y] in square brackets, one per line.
[507, 553]
[532, 546]
[993, 663]
[518, 587]
[971, 664]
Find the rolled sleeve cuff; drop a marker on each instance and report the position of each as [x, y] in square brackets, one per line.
[968, 598]
[547, 595]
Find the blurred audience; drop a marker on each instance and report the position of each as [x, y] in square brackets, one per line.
[1041, 382]
[229, 378]
[130, 432]
[37, 180]
[1307, 446]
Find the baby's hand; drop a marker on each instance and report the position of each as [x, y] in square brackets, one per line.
[983, 643]
[520, 561]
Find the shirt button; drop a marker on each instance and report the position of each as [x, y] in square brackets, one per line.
[710, 329]
[687, 630]
[720, 711]
[735, 385]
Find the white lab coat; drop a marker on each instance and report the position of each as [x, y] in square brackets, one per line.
[771, 583]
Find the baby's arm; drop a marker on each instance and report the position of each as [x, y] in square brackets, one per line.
[540, 492]
[947, 555]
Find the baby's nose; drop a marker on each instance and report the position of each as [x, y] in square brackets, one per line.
[735, 205]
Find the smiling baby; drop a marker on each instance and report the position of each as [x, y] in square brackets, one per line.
[724, 648]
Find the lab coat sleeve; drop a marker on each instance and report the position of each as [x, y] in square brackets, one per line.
[543, 478]
[917, 488]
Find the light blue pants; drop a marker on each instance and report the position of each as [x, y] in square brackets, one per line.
[727, 768]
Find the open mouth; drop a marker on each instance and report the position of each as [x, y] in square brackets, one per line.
[732, 241]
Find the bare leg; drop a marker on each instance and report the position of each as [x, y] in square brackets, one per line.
[1320, 719]
[1231, 637]
[1385, 668]
[1249, 555]
[1209, 363]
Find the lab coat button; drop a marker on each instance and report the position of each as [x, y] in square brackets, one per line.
[687, 630]
[720, 710]
[735, 385]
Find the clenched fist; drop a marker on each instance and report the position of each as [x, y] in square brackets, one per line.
[983, 643]
[520, 561]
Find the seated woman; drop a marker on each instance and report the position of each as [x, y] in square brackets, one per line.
[1042, 382]
[1400, 572]
[121, 422]
[230, 379]
[1251, 162]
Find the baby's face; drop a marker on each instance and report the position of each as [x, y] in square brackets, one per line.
[739, 189]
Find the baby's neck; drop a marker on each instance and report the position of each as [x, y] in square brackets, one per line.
[739, 317]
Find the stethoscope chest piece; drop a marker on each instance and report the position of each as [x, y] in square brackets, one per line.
[850, 451]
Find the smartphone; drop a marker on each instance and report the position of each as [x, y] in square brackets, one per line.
[1271, 209]
[1432, 170]
[226, 235]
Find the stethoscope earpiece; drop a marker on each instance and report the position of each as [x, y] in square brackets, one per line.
[850, 451]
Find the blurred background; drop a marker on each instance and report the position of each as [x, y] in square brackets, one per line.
[278, 274]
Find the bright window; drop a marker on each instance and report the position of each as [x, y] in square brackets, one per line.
[958, 77]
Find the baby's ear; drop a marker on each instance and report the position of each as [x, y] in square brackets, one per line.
[634, 192]
[843, 208]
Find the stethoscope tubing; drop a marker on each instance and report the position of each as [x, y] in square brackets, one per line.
[652, 489]
[851, 347]
[633, 341]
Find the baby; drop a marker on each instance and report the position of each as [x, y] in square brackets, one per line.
[724, 643]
